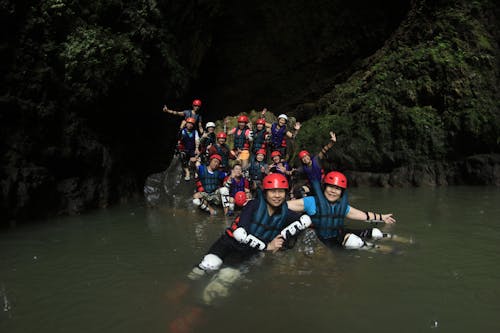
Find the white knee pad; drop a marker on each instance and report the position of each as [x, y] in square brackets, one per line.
[210, 262]
[224, 191]
[353, 242]
[230, 206]
[197, 202]
[377, 234]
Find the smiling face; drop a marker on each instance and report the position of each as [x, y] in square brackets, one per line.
[237, 170]
[275, 197]
[332, 193]
[282, 122]
[306, 160]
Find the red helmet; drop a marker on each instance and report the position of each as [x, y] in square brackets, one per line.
[216, 156]
[243, 119]
[303, 153]
[221, 135]
[261, 151]
[261, 121]
[336, 178]
[274, 181]
[196, 102]
[191, 120]
[275, 153]
[240, 198]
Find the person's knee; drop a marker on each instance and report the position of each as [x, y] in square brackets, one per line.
[377, 234]
[210, 262]
[352, 241]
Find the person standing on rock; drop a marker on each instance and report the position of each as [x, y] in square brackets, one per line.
[192, 113]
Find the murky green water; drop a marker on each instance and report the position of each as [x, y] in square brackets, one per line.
[123, 270]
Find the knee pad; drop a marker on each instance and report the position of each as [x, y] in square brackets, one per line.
[377, 234]
[224, 191]
[197, 202]
[210, 262]
[230, 206]
[353, 242]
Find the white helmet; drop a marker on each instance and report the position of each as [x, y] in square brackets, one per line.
[210, 124]
[283, 116]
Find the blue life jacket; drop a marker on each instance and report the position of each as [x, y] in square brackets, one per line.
[267, 227]
[254, 170]
[259, 137]
[329, 217]
[190, 114]
[188, 140]
[210, 181]
[223, 151]
[240, 139]
[277, 135]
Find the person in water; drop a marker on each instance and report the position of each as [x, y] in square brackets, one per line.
[328, 208]
[192, 113]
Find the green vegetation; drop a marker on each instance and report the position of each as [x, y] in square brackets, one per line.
[431, 93]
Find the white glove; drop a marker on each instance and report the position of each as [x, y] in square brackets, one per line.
[306, 222]
[240, 235]
[254, 242]
[291, 229]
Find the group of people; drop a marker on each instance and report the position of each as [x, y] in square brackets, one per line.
[272, 212]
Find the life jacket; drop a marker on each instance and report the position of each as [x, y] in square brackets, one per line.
[267, 227]
[254, 170]
[329, 217]
[236, 186]
[314, 172]
[192, 115]
[209, 181]
[188, 140]
[240, 138]
[207, 141]
[259, 140]
[223, 151]
[277, 135]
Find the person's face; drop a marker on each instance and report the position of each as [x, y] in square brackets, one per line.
[275, 197]
[211, 129]
[276, 159]
[282, 121]
[237, 171]
[260, 157]
[306, 159]
[260, 127]
[332, 193]
[196, 108]
[189, 126]
[214, 163]
[221, 141]
[241, 125]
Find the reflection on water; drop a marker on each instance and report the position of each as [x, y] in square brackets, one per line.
[124, 270]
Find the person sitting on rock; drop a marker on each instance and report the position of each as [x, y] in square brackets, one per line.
[208, 184]
[233, 183]
[222, 149]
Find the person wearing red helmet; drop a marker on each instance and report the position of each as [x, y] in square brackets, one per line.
[242, 134]
[311, 165]
[188, 147]
[208, 185]
[260, 136]
[263, 225]
[191, 113]
[258, 169]
[328, 208]
[279, 165]
[221, 148]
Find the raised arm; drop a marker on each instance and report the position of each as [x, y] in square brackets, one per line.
[333, 139]
[294, 134]
[177, 113]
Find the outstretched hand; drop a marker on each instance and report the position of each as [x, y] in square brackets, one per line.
[165, 108]
[388, 218]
